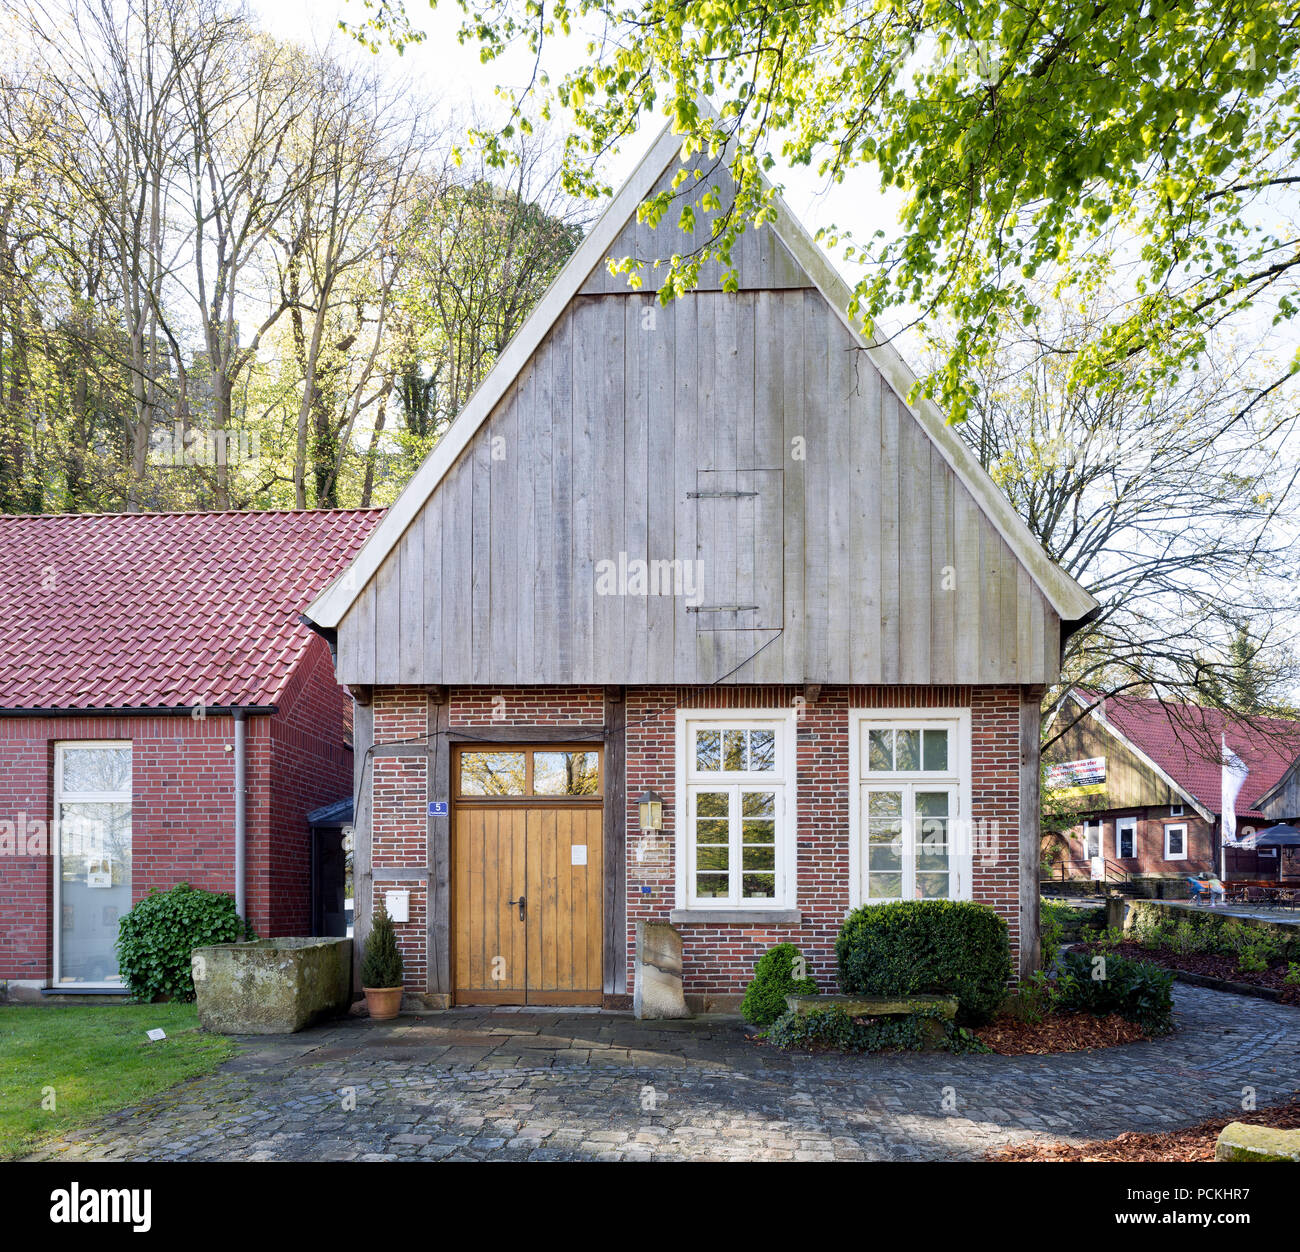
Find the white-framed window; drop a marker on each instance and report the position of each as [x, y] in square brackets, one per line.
[92, 857]
[1176, 841]
[1176, 810]
[1126, 838]
[909, 805]
[1092, 839]
[736, 808]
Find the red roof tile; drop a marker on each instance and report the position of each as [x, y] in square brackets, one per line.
[163, 609]
[1184, 741]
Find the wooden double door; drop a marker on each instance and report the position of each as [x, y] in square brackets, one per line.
[527, 876]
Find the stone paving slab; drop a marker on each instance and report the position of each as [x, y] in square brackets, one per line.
[477, 1084]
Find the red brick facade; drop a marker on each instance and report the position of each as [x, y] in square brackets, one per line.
[183, 808]
[1149, 850]
[718, 959]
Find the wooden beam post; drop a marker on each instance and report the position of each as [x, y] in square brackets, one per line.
[615, 826]
[1031, 699]
[438, 920]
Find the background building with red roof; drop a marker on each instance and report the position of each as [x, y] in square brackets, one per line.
[1145, 778]
[147, 662]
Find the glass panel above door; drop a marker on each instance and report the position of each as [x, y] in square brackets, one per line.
[566, 774]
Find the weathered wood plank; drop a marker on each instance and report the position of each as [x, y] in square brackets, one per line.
[685, 467]
[914, 551]
[431, 584]
[627, 409]
[794, 365]
[505, 537]
[943, 572]
[657, 329]
[630, 648]
[817, 410]
[891, 416]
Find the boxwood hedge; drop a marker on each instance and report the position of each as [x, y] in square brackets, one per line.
[914, 947]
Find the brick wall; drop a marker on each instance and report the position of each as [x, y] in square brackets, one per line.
[183, 813]
[311, 765]
[1150, 843]
[718, 959]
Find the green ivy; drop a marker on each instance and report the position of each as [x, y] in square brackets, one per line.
[155, 939]
[834, 1028]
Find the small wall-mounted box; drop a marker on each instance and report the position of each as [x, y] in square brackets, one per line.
[398, 904]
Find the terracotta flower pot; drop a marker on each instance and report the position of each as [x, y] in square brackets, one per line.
[383, 1002]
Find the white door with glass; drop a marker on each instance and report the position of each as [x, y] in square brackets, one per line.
[911, 835]
[92, 859]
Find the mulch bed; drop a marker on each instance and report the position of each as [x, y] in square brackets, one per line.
[1206, 964]
[1058, 1032]
[1195, 1143]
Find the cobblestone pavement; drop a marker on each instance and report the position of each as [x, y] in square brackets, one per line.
[573, 1085]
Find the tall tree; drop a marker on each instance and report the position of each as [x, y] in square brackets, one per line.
[1167, 509]
[1023, 138]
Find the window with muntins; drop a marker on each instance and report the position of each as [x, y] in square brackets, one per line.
[912, 839]
[737, 777]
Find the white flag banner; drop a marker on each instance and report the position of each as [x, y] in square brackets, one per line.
[1234, 774]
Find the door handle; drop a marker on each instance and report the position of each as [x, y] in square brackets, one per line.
[521, 902]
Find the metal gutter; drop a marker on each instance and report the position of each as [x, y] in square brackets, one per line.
[241, 811]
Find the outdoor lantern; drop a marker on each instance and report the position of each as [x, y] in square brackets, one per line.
[651, 806]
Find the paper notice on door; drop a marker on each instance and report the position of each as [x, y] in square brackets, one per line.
[578, 854]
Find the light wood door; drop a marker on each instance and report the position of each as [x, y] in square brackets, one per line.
[488, 855]
[547, 951]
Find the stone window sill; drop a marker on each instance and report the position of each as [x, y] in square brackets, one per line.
[737, 917]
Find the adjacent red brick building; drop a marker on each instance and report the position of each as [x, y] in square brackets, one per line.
[1147, 785]
[130, 648]
[705, 560]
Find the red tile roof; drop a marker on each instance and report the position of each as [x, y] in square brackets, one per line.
[1184, 741]
[147, 610]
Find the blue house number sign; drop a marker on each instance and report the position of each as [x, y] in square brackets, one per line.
[437, 808]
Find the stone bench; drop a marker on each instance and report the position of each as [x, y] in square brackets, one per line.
[884, 1006]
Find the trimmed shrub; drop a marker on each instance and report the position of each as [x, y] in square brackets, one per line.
[1103, 984]
[155, 939]
[382, 964]
[832, 1028]
[774, 979]
[939, 947]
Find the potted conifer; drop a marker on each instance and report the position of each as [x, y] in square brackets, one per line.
[381, 968]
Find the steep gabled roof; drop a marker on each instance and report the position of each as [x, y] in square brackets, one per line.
[162, 610]
[1071, 603]
[1183, 741]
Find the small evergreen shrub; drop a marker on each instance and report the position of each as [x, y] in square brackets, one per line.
[155, 939]
[939, 947]
[833, 1029]
[382, 964]
[774, 979]
[1107, 984]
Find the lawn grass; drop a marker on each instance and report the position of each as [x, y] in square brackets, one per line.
[96, 1058]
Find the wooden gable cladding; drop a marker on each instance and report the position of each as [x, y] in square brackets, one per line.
[1131, 782]
[760, 261]
[867, 557]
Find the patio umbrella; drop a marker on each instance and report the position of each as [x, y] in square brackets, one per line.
[1279, 836]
